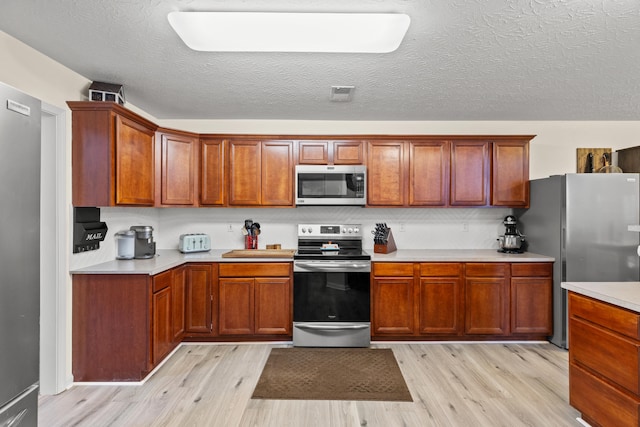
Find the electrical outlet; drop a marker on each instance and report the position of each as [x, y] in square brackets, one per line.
[230, 228]
[465, 226]
[402, 227]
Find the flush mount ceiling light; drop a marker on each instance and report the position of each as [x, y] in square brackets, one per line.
[290, 32]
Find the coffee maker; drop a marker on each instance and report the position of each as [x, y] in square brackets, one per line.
[145, 247]
[512, 241]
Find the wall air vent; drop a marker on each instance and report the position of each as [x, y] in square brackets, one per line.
[342, 93]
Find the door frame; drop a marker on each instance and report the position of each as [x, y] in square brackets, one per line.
[55, 372]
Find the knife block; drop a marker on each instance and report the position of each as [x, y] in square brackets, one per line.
[387, 247]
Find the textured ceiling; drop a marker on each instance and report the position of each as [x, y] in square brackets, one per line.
[460, 60]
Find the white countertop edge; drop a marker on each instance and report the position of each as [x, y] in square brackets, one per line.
[458, 255]
[620, 294]
[166, 259]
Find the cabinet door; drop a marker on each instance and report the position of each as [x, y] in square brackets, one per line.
[392, 312]
[212, 175]
[178, 297]
[134, 163]
[178, 155]
[199, 298]
[236, 306]
[245, 172]
[440, 303]
[348, 153]
[277, 173]
[510, 174]
[531, 311]
[162, 332]
[429, 173]
[313, 152]
[273, 306]
[486, 305]
[386, 178]
[469, 173]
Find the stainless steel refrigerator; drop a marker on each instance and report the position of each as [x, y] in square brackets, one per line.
[19, 257]
[581, 220]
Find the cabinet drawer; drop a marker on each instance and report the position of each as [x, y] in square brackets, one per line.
[491, 269]
[531, 269]
[252, 269]
[440, 269]
[617, 319]
[606, 353]
[162, 280]
[608, 406]
[392, 269]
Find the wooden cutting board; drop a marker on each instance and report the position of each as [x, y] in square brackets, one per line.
[259, 253]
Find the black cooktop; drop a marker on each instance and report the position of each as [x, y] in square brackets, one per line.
[330, 255]
[344, 249]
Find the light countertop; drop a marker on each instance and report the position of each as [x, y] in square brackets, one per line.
[621, 294]
[458, 255]
[166, 259]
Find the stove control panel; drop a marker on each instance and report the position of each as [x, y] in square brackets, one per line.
[351, 231]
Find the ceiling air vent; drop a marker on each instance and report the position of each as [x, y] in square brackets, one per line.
[342, 93]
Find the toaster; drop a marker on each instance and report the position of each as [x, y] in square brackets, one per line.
[196, 242]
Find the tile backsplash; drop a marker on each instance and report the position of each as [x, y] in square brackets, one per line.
[430, 228]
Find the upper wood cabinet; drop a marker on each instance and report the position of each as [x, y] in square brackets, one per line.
[386, 177]
[429, 173]
[177, 166]
[113, 156]
[510, 174]
[212, 152]
[313, 152]
[122, 159]
[260, 173]
[469, 173]
[330, 152]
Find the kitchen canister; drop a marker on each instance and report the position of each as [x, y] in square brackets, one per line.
[125, 244]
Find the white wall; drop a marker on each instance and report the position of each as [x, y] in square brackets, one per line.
[552, 152]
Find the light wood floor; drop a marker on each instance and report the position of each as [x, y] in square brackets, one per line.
[452, 385]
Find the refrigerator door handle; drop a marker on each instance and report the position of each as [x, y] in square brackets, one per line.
[564, 238]
[15, 421]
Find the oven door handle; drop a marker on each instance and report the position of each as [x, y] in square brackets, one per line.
[332, 265]
[325, 327]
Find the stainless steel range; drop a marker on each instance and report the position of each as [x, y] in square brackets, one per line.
[331, 287]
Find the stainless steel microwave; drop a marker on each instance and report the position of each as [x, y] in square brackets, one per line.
[339, 185]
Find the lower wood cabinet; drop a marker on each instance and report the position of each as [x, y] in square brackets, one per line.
[178, 299]
[486, 299]
[604, 362]
[393, 299]
[162, 316]
[531, 298]
[255, 299]
[201, 301]
[121, 325]
[458, 300]
[441, 309]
